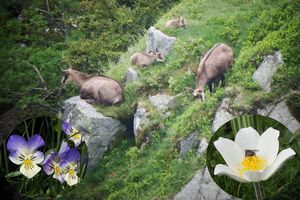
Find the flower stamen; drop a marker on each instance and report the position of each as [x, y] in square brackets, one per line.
[251, 163]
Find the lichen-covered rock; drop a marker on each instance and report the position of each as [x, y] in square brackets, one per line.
[158, 40]
[162, 101]
[141, 118]
[202, 147]
[222, 116]
[202, 187]
[98, 130]
[263, 75]
[131, 75]
[187, 144]
[281, 113]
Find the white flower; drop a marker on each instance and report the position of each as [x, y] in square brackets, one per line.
[259, 166]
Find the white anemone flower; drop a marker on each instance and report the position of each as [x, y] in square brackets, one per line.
[251, 157]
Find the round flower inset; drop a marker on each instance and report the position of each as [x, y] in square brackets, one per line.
[251, 157]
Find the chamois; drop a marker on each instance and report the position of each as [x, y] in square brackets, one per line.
[212, 67]
[176, 22]
[94, 89]
[144, 59]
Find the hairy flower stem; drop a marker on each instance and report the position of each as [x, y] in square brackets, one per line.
[257, 189]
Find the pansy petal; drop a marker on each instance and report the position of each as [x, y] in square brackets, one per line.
[30, 171]
[16, 157]
[72, 155]
[230, 151]
[64, 148]
[35, 142]
[60, 177]
[38, 157]
[48, 167]
[77, 140]
[66, 127]
[268, 145]
[254, 176]
[71, 180]
[281, 158]
[247, 138]
[16, 142]
[225, 170]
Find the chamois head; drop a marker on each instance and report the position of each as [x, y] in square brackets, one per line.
[159, 56]
[67, 76]
[198, 92]
[181, 22]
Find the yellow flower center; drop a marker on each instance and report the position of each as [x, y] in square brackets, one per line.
[28, 164]
[75, 135]
[57, 170]
[72, 172]
[252, 163]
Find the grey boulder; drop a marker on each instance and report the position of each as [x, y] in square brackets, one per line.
[97, 130]
[158, 40]
[263, 75]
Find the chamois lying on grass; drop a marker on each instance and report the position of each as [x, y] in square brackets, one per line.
[176, 22]
[95, 89]
[212, 67]
[144, 59]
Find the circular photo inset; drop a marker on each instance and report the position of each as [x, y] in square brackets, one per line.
[255, 157]
[42, 158]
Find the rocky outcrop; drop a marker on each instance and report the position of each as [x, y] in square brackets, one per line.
[158, 40]
[222, 116]
[141, 118]
[263, 75]
[187, 144]
[281, 113]
[131, 75]
[98, 130]
[202, 147]
[163, 101]
[202, 187]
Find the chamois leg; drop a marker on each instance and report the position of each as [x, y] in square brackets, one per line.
[223, 80]
[210, 87]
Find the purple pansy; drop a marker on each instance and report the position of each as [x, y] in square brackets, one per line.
[70, 166]
[72, 132]
[53, 165]
[25, 153]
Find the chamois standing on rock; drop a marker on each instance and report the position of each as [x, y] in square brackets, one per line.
[176, 22]
[94, 89]
[212, 67]
[144, 59]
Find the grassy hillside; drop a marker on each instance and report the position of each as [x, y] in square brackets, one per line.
[253, 29]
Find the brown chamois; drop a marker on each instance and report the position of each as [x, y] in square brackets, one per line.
[94, 89]
[212, 67]
[144, 59]
[176, 22]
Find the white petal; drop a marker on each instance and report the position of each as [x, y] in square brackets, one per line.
[268, 145]
[254, 176]
[281, 158]
[230, 151]
[71, 180]
[247, 138]
[16, 157]
[38, 157]
[225, 170]
[30, 172]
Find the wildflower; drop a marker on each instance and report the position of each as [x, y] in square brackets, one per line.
[70, 166]
[251, 157]
[52, 163]
[25, 153]
[74, 134]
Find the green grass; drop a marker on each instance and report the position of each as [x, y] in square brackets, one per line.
[154, 172]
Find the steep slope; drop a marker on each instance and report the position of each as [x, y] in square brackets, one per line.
[253, 29]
